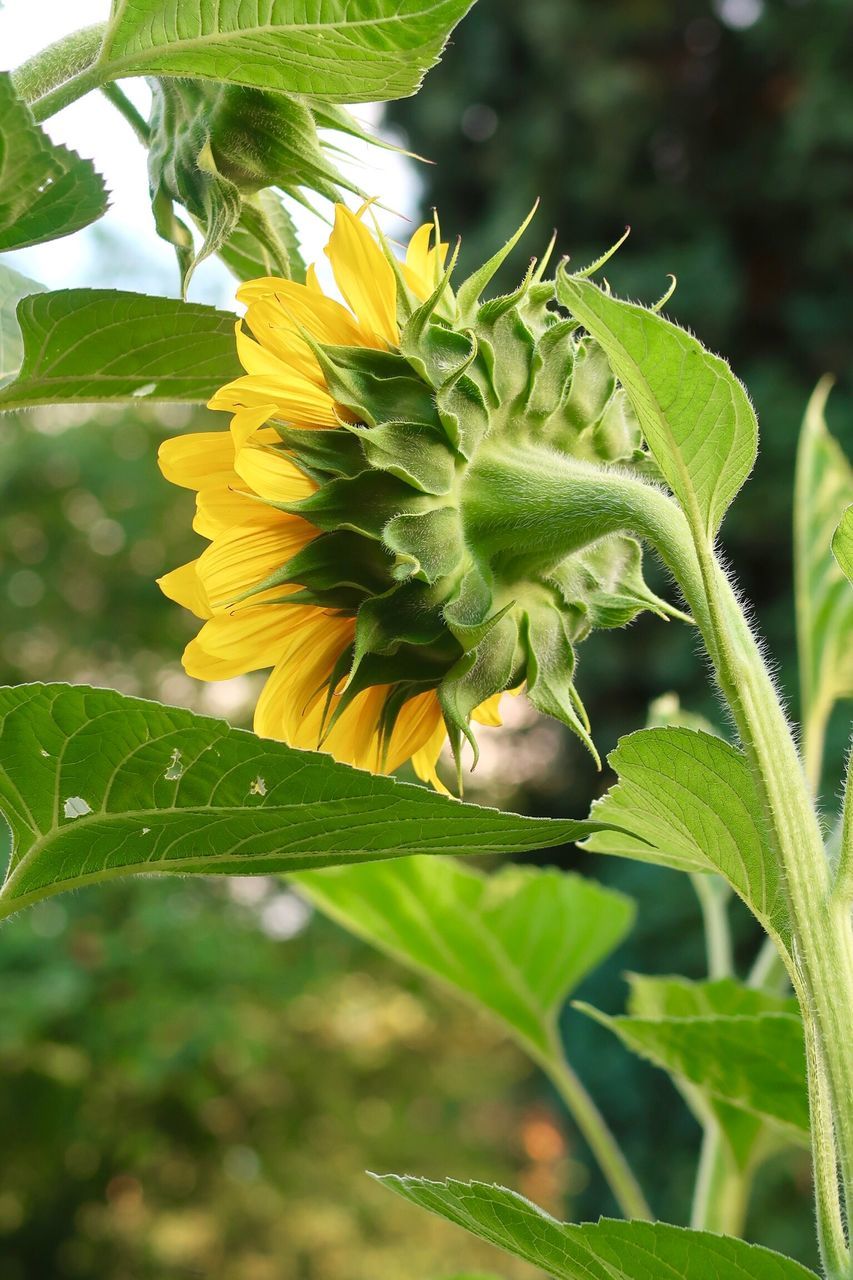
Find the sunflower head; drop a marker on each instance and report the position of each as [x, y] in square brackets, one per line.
[376, 536]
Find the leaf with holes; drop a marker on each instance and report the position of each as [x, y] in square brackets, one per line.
[333, 50]
[98, 346]
[603, 1250]
[95, 785]
[687, 800]
[824, 487]
[515, 942]
[46, 191]
[695, 415]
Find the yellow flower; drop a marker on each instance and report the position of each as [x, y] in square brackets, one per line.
[237, 477]
[387, 518]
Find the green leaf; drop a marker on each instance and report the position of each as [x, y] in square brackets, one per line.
[603, 1250]
[86, 346]
[95, 785]
[695, 415]
[677, 1000]
[332, 50]
[842, 543]
[46, 191]
[687, 800]
[13, 287]
[753, 1062]
[515, 942]
[824, 487]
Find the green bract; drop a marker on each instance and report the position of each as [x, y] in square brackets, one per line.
[432, 535]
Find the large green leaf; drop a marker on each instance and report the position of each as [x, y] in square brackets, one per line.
[824, 487]
[13, 287]
[334, 50]
[693, 412]
[603, 1250]
[516, 942]
[46, 191]
[842, 543]
[687, 800]
[96, 785]
[85, 346]
[668, 1000]
[754, 1062]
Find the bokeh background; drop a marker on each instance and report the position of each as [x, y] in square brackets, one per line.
[193, 1076]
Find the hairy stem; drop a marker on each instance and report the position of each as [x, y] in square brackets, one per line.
[61, 73]
[125, 107]
[721, 1194]
[712, 894]
[597, 1134]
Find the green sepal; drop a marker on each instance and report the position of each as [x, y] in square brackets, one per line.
[363, 503]
[438, 353]
[464, 413]
[469, 609]
[550, 668]
[413, 452]
[550, 371]
[478, 675]
[341, 559]
[471, 637]
[375, 386]
[321, 453]
[613, 589]
[429, 545]
[468, 294]
[407, 614]
[507, 347]
[590, 389]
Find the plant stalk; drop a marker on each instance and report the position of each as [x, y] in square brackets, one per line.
[595, 1131]
[721, 1194]
[61, 73]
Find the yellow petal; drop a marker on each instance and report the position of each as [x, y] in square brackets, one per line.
[416, 726]
[363, 275]
[273, 475]
[248, 554]
[220, 507]
[247, 423]
[305, 307]
[293, 398]
[184, 586]
[488, 712]
[201, 665]
[198, 460]
[248, 639]
[423, 265]
[295, 688]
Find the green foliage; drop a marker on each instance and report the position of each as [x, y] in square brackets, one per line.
[605, 1250]
[46, 191]
[842, 543]
[337, 54]
[687, 800]
[102, 345]
[96, 785]
[694, 414]
[13, 287]
[731, 1048]
[516, 942]
[824, 601]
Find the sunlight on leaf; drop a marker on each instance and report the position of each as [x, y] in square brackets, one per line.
[516, 942]
[603, 1250]
[331, 50]
[687, 800]
[90, 346]
[695, 415]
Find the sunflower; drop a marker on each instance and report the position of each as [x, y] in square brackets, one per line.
[344, 507]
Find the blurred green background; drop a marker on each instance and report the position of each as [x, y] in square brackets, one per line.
[194, 1076]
